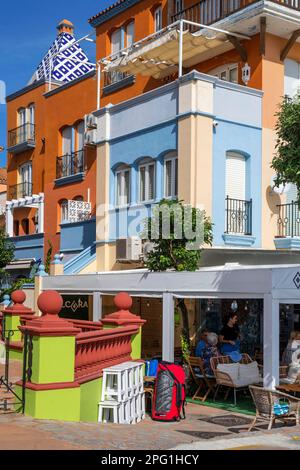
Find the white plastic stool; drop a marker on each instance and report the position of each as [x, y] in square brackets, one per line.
[104, 411]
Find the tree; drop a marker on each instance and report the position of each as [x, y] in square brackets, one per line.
[286, 162]
[48, 257]
[178, 232]
[7, 249]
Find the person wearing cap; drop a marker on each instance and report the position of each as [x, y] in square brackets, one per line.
[229, 337]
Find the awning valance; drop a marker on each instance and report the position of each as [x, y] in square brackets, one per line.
[160, 56]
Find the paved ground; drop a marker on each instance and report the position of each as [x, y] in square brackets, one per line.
[204, 428]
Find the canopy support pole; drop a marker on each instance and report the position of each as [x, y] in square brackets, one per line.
[98, 86]
[271, 341]
[168, 328]
[180, 48]
[97, 306]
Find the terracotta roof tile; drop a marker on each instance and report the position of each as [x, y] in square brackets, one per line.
[106, 10]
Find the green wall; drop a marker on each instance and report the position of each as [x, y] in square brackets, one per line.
[90, 396]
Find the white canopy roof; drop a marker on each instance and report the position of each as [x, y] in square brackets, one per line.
[239, 281]
[158, 56]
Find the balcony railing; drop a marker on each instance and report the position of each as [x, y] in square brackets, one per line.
[70, 165]
[24, 134]
[238, 216]
[20, 191]
[288, 222]
[209, 11]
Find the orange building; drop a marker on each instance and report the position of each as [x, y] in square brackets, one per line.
[51, 169]
[3, 187]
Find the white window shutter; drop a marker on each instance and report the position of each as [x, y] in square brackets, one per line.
[235, 176]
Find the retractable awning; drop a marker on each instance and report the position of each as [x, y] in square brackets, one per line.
[160, 56]
[20, 264]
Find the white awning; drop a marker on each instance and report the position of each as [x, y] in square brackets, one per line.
[160, 56]
[20, 264]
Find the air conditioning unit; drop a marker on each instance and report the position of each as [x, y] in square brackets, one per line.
[129, 249]
[90, 137]
[147, 248]
[90, 121]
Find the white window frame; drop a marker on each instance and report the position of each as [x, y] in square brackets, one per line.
[64, 209]
[131, 36]
[174, 177]
[146, 166]
[26, 167]
[22, 117]
[225, 69]
[158, 19]
[178, 6]
[121, 202]
[31, 113]
[116, 46]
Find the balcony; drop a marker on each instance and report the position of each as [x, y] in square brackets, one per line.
[238, 216]
[288, 226]
[114, 81]
[208, 12]
[21, 138]
[20, 191]
[70, 168]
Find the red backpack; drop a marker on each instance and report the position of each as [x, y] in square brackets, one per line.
[169, 393]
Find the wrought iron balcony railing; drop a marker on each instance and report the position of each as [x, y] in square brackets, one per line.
[22, 135]
[288, 222]
[20, 190]
[69, 165]
[112, 77]
[238, 216]
[209, 11]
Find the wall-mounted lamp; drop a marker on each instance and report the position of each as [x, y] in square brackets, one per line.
[246, 73]
[234, 306]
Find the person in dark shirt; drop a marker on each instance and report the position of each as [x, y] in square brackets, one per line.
[229, 335]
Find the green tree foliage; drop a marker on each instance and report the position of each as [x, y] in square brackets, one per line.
[7, 249]
[179, 253]
[48, 257]
[286, 162]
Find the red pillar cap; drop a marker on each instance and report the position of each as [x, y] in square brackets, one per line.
[18, 297]
[123, 316]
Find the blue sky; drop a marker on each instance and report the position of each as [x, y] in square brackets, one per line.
[26, 31]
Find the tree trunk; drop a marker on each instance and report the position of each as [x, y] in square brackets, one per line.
[185, 320]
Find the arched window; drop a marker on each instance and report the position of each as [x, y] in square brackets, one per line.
[147, 180]
[79, 136]
[63, 211]
[21, 117]
[129, 34]
[31, 114]
[25, 226]
[235, 176]
[158, 19]
[16, 228]
[25, 175]
[122, 178]
[171, 176]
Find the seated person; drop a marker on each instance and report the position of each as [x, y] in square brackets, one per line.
[202, 343]
[292, 350]
[229, 336]
[207, 350]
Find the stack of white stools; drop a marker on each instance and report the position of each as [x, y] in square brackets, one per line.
[123, 397]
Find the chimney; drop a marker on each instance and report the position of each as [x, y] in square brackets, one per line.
[65, 26]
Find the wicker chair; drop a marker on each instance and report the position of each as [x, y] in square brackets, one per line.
[200, 378]
[265, 400]
[223, 379]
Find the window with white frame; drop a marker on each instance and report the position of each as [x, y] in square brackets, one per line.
[171, 177]
[130, 34]
[64, 211]
[122, 186]
[25, 172]
[147, 181]
[116, 41]
[228, 73]
[67, 140]
[178, 6]
[22, 117]
[158, 19]
[31, 113]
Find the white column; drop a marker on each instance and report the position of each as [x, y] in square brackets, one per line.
[271, 341]
[97, 306]
[168, 329]
[41, 216]
[9, 222]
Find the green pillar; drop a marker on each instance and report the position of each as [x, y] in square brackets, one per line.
[12, 317]
[123, 317]
[51, 392]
